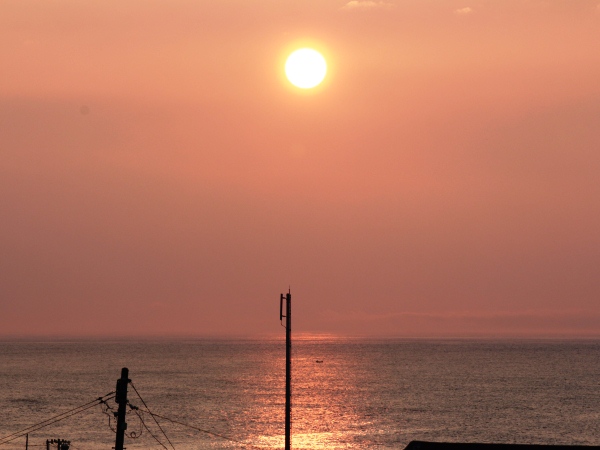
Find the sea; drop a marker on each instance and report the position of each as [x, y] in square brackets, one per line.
[348, 393]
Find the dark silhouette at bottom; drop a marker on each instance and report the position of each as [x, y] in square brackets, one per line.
[422, 445]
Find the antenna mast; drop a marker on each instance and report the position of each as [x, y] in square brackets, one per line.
[288, 364]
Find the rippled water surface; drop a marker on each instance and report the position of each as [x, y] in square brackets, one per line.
[365, 394]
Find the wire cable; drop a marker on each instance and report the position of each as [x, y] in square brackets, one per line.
[133, 434]
[6, 441]
[162, 431]
[105, 407]
[207, 431]
[148, 430]
[25, 430]
[54, 419]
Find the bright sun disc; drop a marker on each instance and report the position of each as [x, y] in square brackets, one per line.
[305, 68]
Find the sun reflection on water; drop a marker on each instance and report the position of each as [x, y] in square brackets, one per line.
[325, 385]
[302, 441]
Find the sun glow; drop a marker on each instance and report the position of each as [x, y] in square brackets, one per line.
[305, 68]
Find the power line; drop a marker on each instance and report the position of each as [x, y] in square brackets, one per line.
[105, 407]
[163, 432]
[48, 422]
[133, 434]
[54, 419]
[154, 416]
[25, 430]
[103, 401]
[207, 431]
[150, 432]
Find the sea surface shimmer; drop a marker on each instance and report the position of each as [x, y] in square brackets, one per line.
[364, 394]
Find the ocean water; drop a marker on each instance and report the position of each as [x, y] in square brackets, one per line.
[365, 393]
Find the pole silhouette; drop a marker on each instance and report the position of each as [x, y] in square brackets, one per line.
[288, 365]
[121, 399]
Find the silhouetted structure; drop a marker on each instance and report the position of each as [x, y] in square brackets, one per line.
[121, 399]
[422, 445]
[288, 365]
[58, 444]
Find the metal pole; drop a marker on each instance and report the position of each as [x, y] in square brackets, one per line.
[121, 399]
[288, 372]
[27, 441]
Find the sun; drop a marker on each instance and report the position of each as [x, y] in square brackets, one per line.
[305, 68]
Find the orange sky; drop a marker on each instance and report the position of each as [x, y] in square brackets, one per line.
[158, 175]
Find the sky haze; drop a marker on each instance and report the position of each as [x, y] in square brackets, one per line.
[160, 176]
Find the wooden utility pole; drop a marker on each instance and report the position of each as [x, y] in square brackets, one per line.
[288, 365]
[121, 399]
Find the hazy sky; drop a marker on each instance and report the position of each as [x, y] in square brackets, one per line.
[159, 176]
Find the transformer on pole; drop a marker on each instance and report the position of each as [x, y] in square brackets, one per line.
[288, 364]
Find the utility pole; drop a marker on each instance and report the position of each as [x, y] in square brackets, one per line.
[121, 399]
[288, 364]
[61, 444]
